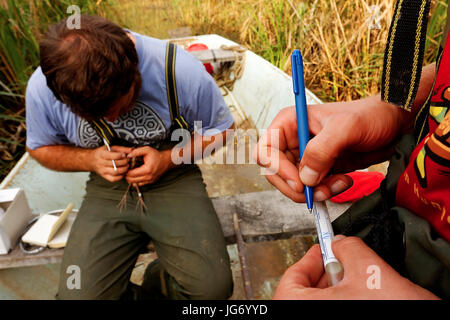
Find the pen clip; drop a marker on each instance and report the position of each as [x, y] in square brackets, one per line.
[294, 68]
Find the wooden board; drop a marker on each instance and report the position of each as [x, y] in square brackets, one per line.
[16, 258]
[268, 215]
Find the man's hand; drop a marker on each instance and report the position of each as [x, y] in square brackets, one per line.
[156, 163]
[345, 136]
[306, 279]
[102, 162]
[72, 159]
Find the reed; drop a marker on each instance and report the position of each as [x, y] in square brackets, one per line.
[22, 23]
[342, 41]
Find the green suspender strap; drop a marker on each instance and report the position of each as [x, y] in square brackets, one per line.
[178, 121]
[403, 58]
[107, 132]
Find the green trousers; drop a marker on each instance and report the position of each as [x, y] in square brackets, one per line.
[180, 220]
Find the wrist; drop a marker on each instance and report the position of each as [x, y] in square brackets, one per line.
[90, 159]
[402, 119]
[167, 159]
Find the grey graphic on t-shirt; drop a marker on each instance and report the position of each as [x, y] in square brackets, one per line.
[141, 126]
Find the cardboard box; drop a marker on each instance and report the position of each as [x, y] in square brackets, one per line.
[14, 217]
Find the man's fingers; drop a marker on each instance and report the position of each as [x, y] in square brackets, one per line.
[110, 155]
[142, 151]
[282, 164]
[285, 189]
[354, 254]
[323, 282]
[137, 172]
[322, 151]
[141, 180]
[308, 271]
[331, 186]
[140, 184]
[138, 179]
[120, 163]
[119, 172]
[112, 178]
[301, 279]
[289, 173]
[122, 149]
[338, 183]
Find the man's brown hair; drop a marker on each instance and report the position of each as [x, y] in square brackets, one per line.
[89, 68]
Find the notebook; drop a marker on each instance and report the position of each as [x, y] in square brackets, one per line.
[51, 230]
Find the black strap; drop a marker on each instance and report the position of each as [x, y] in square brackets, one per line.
[403, 58]
[175, 116]
[107, 132]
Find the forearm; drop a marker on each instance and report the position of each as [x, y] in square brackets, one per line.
[425, 85]
[63, 157]
[404, 120]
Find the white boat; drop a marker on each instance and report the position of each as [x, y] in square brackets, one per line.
[261, 92]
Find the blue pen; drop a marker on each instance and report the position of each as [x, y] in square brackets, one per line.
[302, 115]
[333, 268]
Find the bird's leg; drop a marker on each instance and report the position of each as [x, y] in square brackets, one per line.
[140, 203]
[136, 162]
[123, 203]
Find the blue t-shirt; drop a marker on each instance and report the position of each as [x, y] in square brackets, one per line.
[50, 122]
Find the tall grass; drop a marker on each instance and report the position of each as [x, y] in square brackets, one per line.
[342, 54]
[22, 24]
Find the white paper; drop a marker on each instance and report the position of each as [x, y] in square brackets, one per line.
[324, 232]
[60, 238]
[40, 231]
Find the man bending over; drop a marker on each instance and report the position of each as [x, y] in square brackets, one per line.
[102, 85]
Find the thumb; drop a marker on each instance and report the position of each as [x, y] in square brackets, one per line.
[321, 153]
[347, 248]
[354, 254]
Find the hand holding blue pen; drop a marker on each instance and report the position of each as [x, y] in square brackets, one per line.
[333, 268]
[302, 115]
